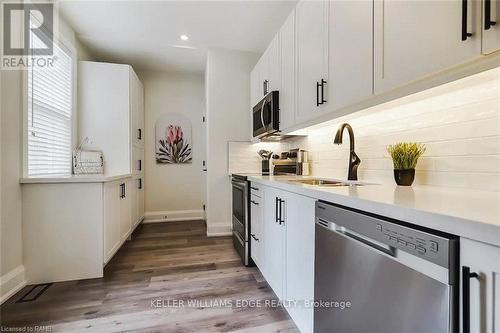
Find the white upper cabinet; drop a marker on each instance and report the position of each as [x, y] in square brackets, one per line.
[137, 110]
[274, 66]
[111, 113]
[288, 92]
[414, 39]
[350, 53]
[311, 24]
[255, 87]
[491, 26]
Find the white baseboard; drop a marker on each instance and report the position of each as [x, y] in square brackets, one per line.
[174, 215]
[11, 283]
[218, 229]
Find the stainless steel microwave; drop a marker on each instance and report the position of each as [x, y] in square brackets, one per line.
[266, 116]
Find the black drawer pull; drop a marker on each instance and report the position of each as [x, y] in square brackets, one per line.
[488, 23]
[465, 34]
[254, 202]
[276, 213]
[253, 236]
[317, 94]
[321, 85]
[466, 276]
[254, 188]
[281, 220]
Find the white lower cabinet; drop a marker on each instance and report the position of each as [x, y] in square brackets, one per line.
[256, 232]
[112, 240]
[285, 252]
[299, 261]
[273, 254]
[484, 260]
[123, 211]
[140, 199]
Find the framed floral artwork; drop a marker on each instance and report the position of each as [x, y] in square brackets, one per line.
[173, 139]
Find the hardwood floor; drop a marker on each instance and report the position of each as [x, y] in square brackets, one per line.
[164, 263]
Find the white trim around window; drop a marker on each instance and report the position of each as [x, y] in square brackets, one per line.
[71, 51]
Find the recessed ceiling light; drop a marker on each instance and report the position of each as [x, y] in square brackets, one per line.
[184, 37]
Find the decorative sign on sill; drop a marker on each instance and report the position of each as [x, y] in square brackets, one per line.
[173, 139]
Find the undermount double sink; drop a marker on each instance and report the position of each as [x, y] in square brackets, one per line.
[327, 182]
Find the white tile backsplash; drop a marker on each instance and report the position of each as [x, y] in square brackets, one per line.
[243, 157]
[459, 123]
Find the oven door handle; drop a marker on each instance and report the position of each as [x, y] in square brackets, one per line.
[238, 184]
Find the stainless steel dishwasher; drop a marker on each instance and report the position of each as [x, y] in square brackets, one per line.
[377, 275]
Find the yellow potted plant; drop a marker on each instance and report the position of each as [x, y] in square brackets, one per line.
[405, 157]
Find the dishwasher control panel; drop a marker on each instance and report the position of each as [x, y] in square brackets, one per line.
[427, 245]
[408, 240]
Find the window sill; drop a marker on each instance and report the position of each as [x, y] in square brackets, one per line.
[54, 179]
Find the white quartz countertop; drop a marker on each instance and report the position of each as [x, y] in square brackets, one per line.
[463, 212]
[73, 179]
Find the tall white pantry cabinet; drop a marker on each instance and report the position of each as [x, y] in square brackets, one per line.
[111, 115]
[73, 225]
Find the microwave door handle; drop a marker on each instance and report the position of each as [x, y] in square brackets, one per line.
[262, 113]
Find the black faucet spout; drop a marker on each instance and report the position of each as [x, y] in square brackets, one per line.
[354, 160]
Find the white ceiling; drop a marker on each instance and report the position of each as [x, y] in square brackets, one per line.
[146, 34]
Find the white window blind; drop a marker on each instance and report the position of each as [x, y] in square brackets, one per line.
[50, 104]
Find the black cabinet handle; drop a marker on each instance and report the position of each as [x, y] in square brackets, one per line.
[317, 94]
[465, 34]
[139, 136]
[321, 85]
[466, 276]
[139, 184]
[323, 100]
[282, 220]
[254, 188]
[122, 191]
[140, 165]
[253, 236]
[276, 213]
[254, 202]
[487, 15]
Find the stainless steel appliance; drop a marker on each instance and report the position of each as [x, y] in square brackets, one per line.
[241, 217]
[396, 277]
[295, 161]
[266, 116]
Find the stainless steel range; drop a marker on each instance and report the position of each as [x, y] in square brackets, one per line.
[241, 217]
[396, 278]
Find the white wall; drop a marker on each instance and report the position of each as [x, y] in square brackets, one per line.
[459, 123]
[228, 105]
[11, 170]
[12, 275]
[174, 190]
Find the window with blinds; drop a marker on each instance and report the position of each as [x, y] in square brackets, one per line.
[50, 105]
